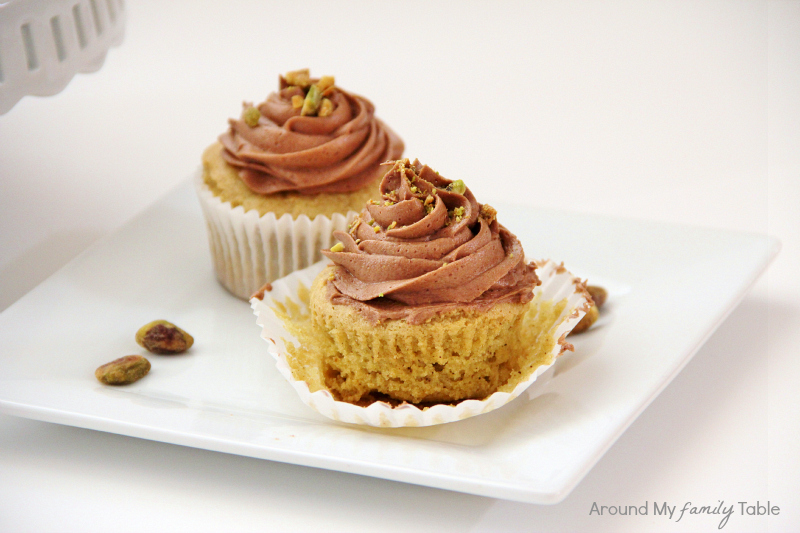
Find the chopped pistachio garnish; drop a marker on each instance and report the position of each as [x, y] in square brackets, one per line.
[376, 229]
[338, 247]
[392, 225]
[311, 103]
[388, 203]
[457, 187]
[488, 213]
[457, 213]
[331, 277]
[251, 116]
[374, 202]
[297, 101]
[325, 82]
[371, 222]
[429, 209]
[429, 200]
[301, 78]
[511, 254]
[380, 295]
[325, 108]
[358, 241]
[415, 189]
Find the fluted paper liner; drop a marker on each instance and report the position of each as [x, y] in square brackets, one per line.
[249, 250]
[557, 285]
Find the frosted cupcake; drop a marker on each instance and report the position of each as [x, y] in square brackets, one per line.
[286, 174]
[428, 301]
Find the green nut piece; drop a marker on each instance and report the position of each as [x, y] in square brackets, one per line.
[599, 295]
[588, 319]
[162, 337]
[338, 247]
[123, 370]
[488, 213]
[457, 213]
[457, 187]
[325, 83]
[325, 108]
[312, 101]
[251, 115]
[300, 78]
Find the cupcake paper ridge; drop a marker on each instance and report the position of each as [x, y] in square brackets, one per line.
[249, 249]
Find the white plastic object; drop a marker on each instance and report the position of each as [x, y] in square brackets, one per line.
[44, 43]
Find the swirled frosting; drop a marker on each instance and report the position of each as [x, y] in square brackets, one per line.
[285, 151]
[426, 248]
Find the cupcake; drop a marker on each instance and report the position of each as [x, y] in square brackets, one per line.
[429, 303]
[286, 174]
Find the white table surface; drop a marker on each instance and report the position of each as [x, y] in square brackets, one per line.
[684, 112]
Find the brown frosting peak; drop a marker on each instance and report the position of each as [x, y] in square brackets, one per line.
[427, 247]
[282, 149]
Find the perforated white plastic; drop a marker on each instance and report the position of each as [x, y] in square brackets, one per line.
[44, 43]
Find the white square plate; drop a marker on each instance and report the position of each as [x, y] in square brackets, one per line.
[670, 287]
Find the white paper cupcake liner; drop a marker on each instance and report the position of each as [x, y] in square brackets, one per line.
[250, 250]
[557, 284]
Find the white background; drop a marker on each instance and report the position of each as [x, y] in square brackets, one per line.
[685, 112]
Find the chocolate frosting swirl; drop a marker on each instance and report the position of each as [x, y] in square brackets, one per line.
[309, 154]
[428, 247]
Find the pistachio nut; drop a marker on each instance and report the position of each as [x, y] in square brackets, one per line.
[162, 337]
[588, 319]
[599, 295]
[123, 370]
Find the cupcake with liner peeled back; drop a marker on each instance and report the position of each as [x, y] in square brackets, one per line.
[429, 314]
[285, 175]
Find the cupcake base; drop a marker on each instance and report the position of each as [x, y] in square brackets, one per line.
[287, 322]
[461, 354]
